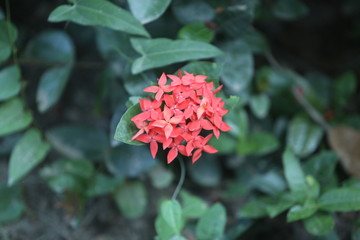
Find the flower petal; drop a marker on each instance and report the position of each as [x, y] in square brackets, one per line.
[153, 148]
[162, 80]
[210, 149]
[152, 89]
[167, 130]
[197, 154]
[159, 123]
[172, 155]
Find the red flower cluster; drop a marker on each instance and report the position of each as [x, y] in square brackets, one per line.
[178, 114]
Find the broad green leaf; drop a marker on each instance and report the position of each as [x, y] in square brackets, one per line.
[206, 173]
[303, 137]
[225, 144]
[294, 175]
[239, 122]
[238, 66]
[79, 141]
[210, 69]
[344, 88]
[340, 199]
[9, 82]
[298, 212]
[319, 224]
[270, 182]
[81, 168]
[259, 143]
[27, 154]
[13, 118]
[279, 204]
[129, 161]
[272, 81]
[231, 102]
[126, 129]
[99, 13]
[197, 32]
[148, 10]
[160, 176]
[66, 183]
[131, 199]
[237, 229]
[51, 46]
[290, 9]
[189, 11]
[177, 238]
[260, 105]
[8, 35]
[163, 230]
[193, 207]
[11, 204]
[102, 184]
[135, 84]
[162, 52]
[171, 212]
[313, 187]
[212, 223]
[52, 84]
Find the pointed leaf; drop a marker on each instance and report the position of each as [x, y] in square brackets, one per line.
[27, 154]
[212, 223]
[319, 224]
[260, 105]
[298, 212]
[11, 204]
[171, 212]
[148, 10]
[193, 207]
[161, 52]
[8, 35]
[197, 32]
[9, 82]
[99, 13]
[341, 199]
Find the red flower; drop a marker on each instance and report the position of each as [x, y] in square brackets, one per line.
[181, 116]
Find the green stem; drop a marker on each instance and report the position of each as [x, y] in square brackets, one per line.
[181, 180]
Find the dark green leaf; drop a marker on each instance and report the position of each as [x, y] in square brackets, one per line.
[65, 183]
[99, 13]
[79, 141]
[160, 176]
[289, 9]
[319, 224]
[81, 168]
[294, 175]
[238, 229]
[13, 117]
[11, 204]
[260, 105]
[303, 137]
[148, 10]
[197, 32]
[341, 199]
[259, 143]
[212, 223]
[126, 129]
[101, 184]
[344, 88]
[171, 212]
[9, 82]
[298, 212]
[161, 52]
[189, 11]
[206, 171]
[193, 207]
[270, 183]
[28, 153]
[225, 144]
[131, 199]
[52, 84]
[8, 35]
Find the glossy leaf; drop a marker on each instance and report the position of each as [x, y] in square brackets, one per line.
[27, 154]
[196, 32]
[131, 199]
[341, 199]
[270, 183]
[99, 13]
[294, 175]
[9, 82]
[52, 84]
[193, 207]
[319, 224]
[126, 129]
[303, 137]
[78, 141]
[13, 117]
[8, 35]
[148, 10]
[298, 212]
[212, 223]
[171, 212]
[161, 52]
[260, 105]
[259, 143]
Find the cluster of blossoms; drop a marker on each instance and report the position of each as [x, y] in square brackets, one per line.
[178, 114]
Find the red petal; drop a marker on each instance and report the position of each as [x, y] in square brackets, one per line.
[141, 116]
[189, 148]
[188, 112]
[172, 155]
[167, 113]
[197, 154]
[205, 124]
[182, 150]
[159, 94]
[162, 80]
[137, 134]
[224, 127]
[152, 89]
[144, 138]
[200, 111]
[159, 123]
[176, 119]
[167, 143]
[209, 149]
[169, 100]
[168, 129]
[195, 125]
[153, 148]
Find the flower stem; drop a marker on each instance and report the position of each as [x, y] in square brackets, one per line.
[181, 180]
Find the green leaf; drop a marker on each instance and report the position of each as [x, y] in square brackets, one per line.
[11, 204]
[344, 88]
[171, 212]
[298, 212]
[66, 183]
[238, 66]
[162, 52]
[270, 182]
[101, 184]
[231, 102]
[303, 137]
[260, 105]
[131, 199]
[289, 9]
[341, 199]
[9, 82]
[8, 35]
[197, 32]
[126, 129]
[225, 144]
[51, 46]
[319, 224]
[212, 223]
[259, 143]
[206, 173]
[164, 231]
[193, 207]
[210, 69]
[189, 11]
[13, 118]
[148, 10]
[294, 175]
[160, 176]
[177, 238]
[78, 141]
[52, 84]
[99, 13]
[27, 154]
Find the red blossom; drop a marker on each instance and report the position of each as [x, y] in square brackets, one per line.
[181, 117]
